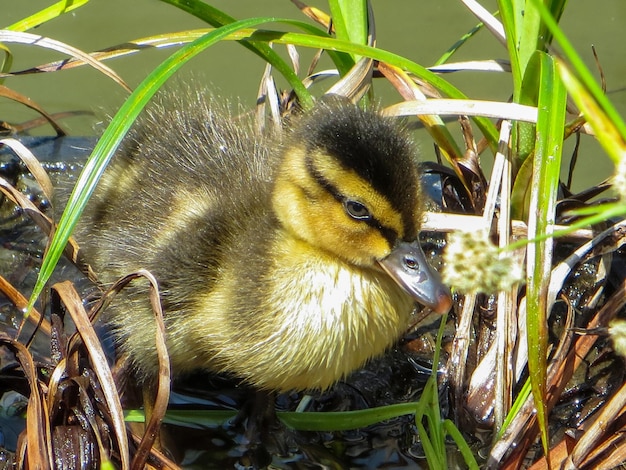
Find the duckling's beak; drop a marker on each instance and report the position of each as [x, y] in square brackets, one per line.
[407, 265]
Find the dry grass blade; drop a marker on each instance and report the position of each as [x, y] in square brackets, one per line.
[74, 447]
[121, 50]
[401, 81]
[496, 65]
[522, 432]
[21, 303]
[294, 56]
[33, 165]
[84, 328]
[456, 107]
[313, 13]
[26, 101]
[506, 325]
[459, 353]
[410, 91]
[163, 385]
[267, 95]
[38, 450]
[356, 82]
[26, 126]
[609, 454]
[44, 222]
[35, 40]
[488, 19]
[594, 435]
[317, 77]
[89, 415]
[447, 222]
[497, 174]
[157, 458]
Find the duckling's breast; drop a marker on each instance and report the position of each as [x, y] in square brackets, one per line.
[308, 320]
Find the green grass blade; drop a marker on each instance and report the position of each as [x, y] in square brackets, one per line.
[605, 128]
[217, 18]
[527, 95]
[529, 38]
[305, 40]
[458, 439]
[350, 20]
[579, 67]
[112, 137]
[534, 34]
[545, 180]
[556, 7]
[517, 406]
[458, 44]
[47, 14]
[509, 14]
[433, 439]
[302, 421]
[7, 60]
[344, 420]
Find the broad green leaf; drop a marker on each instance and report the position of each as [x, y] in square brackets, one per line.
[545, 181]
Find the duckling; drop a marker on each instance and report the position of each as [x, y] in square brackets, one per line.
[285, 262]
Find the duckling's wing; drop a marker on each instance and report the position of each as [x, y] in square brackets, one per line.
[190, 173]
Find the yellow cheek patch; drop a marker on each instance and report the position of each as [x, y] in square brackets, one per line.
[353, 186]
[351, 239]
[308, 199]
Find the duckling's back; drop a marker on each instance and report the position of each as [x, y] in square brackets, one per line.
[186, 159]
[188, 183]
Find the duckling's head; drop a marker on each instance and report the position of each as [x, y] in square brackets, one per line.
[349, 185]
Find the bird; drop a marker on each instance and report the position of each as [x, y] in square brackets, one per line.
[285, 260]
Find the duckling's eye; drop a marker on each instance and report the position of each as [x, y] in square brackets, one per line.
[356, 210]
[411, 263]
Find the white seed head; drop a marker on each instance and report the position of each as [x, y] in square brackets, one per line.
[617, 331]
[473, 264]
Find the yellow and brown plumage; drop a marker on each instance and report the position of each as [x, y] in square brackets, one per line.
[286, 263]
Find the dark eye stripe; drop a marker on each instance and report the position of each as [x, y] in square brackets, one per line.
[387, 232]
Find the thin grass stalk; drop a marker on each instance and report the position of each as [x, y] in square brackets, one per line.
[487, 20]
[506, 325]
